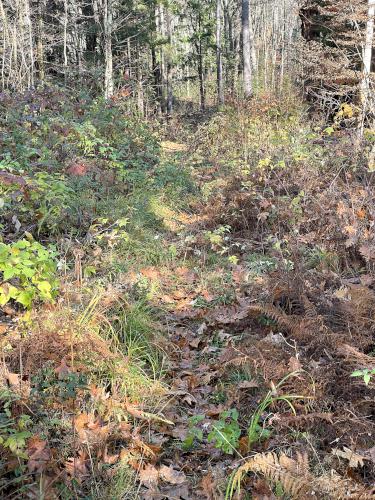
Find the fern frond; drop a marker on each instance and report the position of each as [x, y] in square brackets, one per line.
[291, 474]
[290, 323]
[296, 479]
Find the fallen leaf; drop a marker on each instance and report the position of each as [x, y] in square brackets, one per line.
[3, 328]
[149, 475]
[134, 411]
[171, 475]
[361, 213]
[248, 384]
[63, 369]
[39, 455]
[342, 293]
[81, 420]
[294, 364]
[89, 429]
[367, 251]
[262, 491]
[202, 328]
[353, 458]
[110, 459]
[150, 272]
[13, 379]
[239, 274]
[195, 343]
[9, 311]
[208, 487]
[76, 467]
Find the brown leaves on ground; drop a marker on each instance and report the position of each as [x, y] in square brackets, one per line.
[157, 481]
[78, 169]
[63, 369]
[90, 429]
[77, 467]
[39, 455]
[354, 459]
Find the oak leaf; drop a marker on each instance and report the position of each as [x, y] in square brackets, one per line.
[39, 455]
[355, 460]
[171, 476]
[149, 475]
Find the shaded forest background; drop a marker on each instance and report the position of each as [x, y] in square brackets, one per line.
[157, 51]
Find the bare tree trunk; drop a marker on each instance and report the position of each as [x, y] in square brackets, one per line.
[169, 66]
[367, 53]
[40, 39]
[246, 49]
[6, 44]
[202, 90]
[219, 59]
[30, 64]
[108, 25]
[140, 94]
[367, 59]
[254, 59]
[65, 36]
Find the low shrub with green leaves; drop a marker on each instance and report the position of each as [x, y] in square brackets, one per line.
[49, 135]
[226, 432]
[42, 207]
[28, 273]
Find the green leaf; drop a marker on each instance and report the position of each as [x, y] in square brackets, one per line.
[9, 272]
[45, 289]
[25, 298]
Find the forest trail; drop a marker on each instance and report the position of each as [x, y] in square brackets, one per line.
[206, 298]
[193, 348]
[227, 353]
[187, 250]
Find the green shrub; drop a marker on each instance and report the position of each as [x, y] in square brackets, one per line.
[226, 432]
[45, 204]
[28, 272]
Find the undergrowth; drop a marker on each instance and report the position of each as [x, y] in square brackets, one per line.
[168, 305]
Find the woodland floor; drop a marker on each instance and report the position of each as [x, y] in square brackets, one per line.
[257, 322]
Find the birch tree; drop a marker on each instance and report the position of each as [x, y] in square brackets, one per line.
[246, 49]
[219, 59]
[367, 52]
[108, 56]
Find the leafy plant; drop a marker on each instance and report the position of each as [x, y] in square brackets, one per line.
[51, 198]
[256, 431]
[13, 432]
[226, 432]
[259, 264]
[194, 433]
[64, 385]
[366, 374]
[28, 273]
[108, 233]
[48, 198]
[218, 238]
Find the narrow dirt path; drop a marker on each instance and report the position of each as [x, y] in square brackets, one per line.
[249, 349]
[196, 350]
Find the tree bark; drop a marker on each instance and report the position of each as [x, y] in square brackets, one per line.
[367, 52]
[219, 59]
[246, 49]
[108, 25]
[202, 90]
[40, 42]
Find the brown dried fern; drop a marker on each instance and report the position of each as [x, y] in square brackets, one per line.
[296, 479]
[292, 324]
